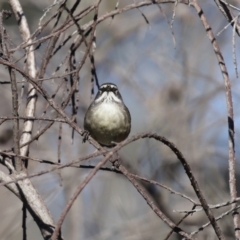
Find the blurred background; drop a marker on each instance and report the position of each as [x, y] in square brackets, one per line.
[176, 91]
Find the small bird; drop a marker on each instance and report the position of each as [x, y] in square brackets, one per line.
[107, 119]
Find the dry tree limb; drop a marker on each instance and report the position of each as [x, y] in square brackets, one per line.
[31, 68]
[29, 195]
[77, 192]
[178, 223]
[3, 182]
[95, 144]
[188, 171]
[88, 25]
[151, 203]
[228, 15]
[234, 47]
[231, 146]
[134, 182]
[217, 218]
[147, 181]
[37, 87]
[3, 36]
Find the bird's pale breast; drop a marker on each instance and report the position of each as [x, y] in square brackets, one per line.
[108, 116]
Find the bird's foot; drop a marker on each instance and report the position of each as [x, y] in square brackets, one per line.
[116, 161]
[85, 135]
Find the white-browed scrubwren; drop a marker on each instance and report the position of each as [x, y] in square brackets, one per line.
[108, 119]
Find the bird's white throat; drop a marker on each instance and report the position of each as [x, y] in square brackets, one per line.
[108, 97]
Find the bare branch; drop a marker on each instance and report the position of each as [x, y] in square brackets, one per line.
[223, 68]
[32, 97]
[228, 14]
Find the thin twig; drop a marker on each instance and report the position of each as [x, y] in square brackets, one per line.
[234, 47]
[32, 94]
[223, 68]
[178, 223]
[217, 218]
[151, 203]
[77, 192]
[223, 7]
